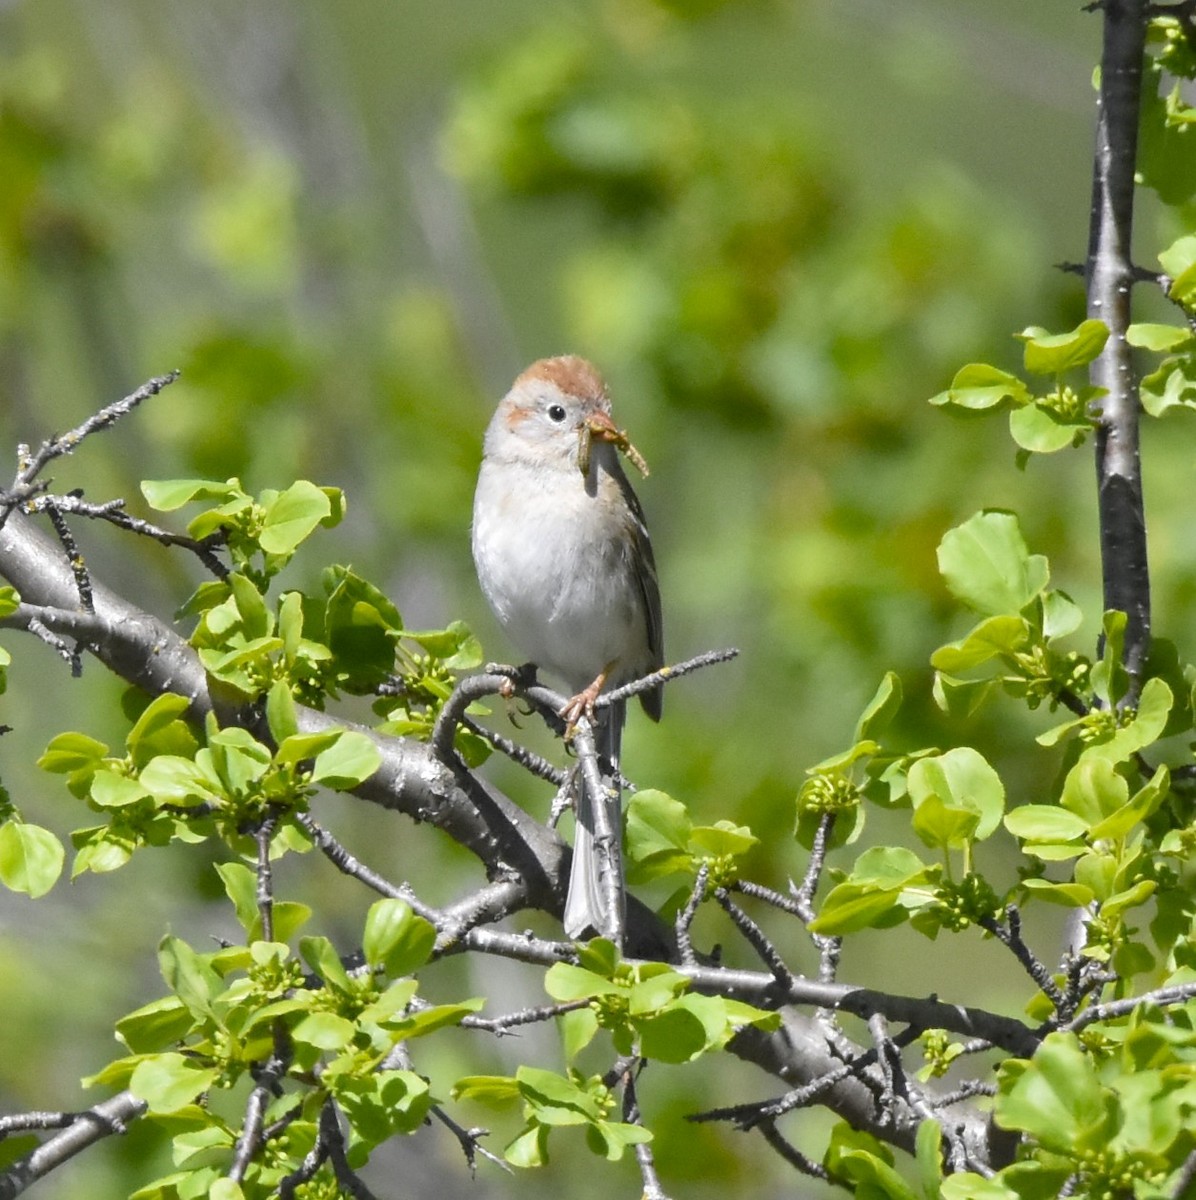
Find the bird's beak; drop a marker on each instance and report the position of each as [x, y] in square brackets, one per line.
[600, 426]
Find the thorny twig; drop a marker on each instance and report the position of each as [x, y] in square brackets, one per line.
[643, 1150]
[31, 465]
[1010, 936]
[756, 938]
[790, 1153]
[685, 918]
[502, 1026]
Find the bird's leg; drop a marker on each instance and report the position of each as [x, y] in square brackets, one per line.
[582, 705]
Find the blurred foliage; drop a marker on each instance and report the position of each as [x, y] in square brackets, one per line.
[778, 229]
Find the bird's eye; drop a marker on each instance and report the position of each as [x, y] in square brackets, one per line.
[556, 412]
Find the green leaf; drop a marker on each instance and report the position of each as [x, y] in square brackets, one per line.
[189, 976]
[722, 840]
[944, 826]
[320, 954]
[361, 626]
[174, 780]
[865, 1165]
[348, 762]
[962, 779]
[379, 1106]
[161, 730]
[292, 516]
[611, 1138]
[456, 646]
[979, 386]
[10, 600]
[1179, 261]
[1093, 790]
[1070, 895]
[488, 1089]
[1041, 430]
[985, 564]
[675, 1035]
[1060, 615]
[281, 713]
[565, 982]
[110, 790]
[880, 710]
[853, 906]
[1143, 804]
[396, 939]
[240, 885]
[529, 1149]
[324, 1031]
[31, 858]
[655, 986]
[929, 1156]
[1159, 338]
[1058, 1098]
[156, 1025]
[1154, 707]
[70, 752]
[965, 1185]
[555, 1099]
[256, 620]
[993, 637]
[170, 1081]
[168, 494]
[658, 833]
[1052, 354]
[1045, 823]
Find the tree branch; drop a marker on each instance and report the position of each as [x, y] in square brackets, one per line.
[1110, 276]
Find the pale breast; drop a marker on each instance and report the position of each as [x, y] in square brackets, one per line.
[559, 573]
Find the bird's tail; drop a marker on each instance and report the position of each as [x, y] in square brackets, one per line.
[585, 905]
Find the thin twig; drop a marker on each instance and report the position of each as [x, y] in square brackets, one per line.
[1185, 1178]
[756, 938]
[470, 1141]
[1179, 993]
[113, 511]
[53, 510]
[527, 1016]
[30, 466]
[265, 876]
[790, 1153]
[1010, 936]
[530, 762]
[252, 1136]
[652, 1190]
[349, 865]
[685, 918]
[665, 675]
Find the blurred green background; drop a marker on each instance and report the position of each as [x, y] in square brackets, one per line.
[777, 227]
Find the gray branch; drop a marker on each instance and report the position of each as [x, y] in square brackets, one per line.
[1110, 277]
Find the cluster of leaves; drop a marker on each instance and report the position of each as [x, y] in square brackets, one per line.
[1044, 421]
[303, 1026]
[349, 640]
[1103, 1124]
[649, 1013]
[1112, 1114]
[1117, 818]
[174, 782]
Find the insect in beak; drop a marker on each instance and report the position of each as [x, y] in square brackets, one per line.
[603, 428]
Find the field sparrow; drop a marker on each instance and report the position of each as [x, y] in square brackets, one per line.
[563, 556]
